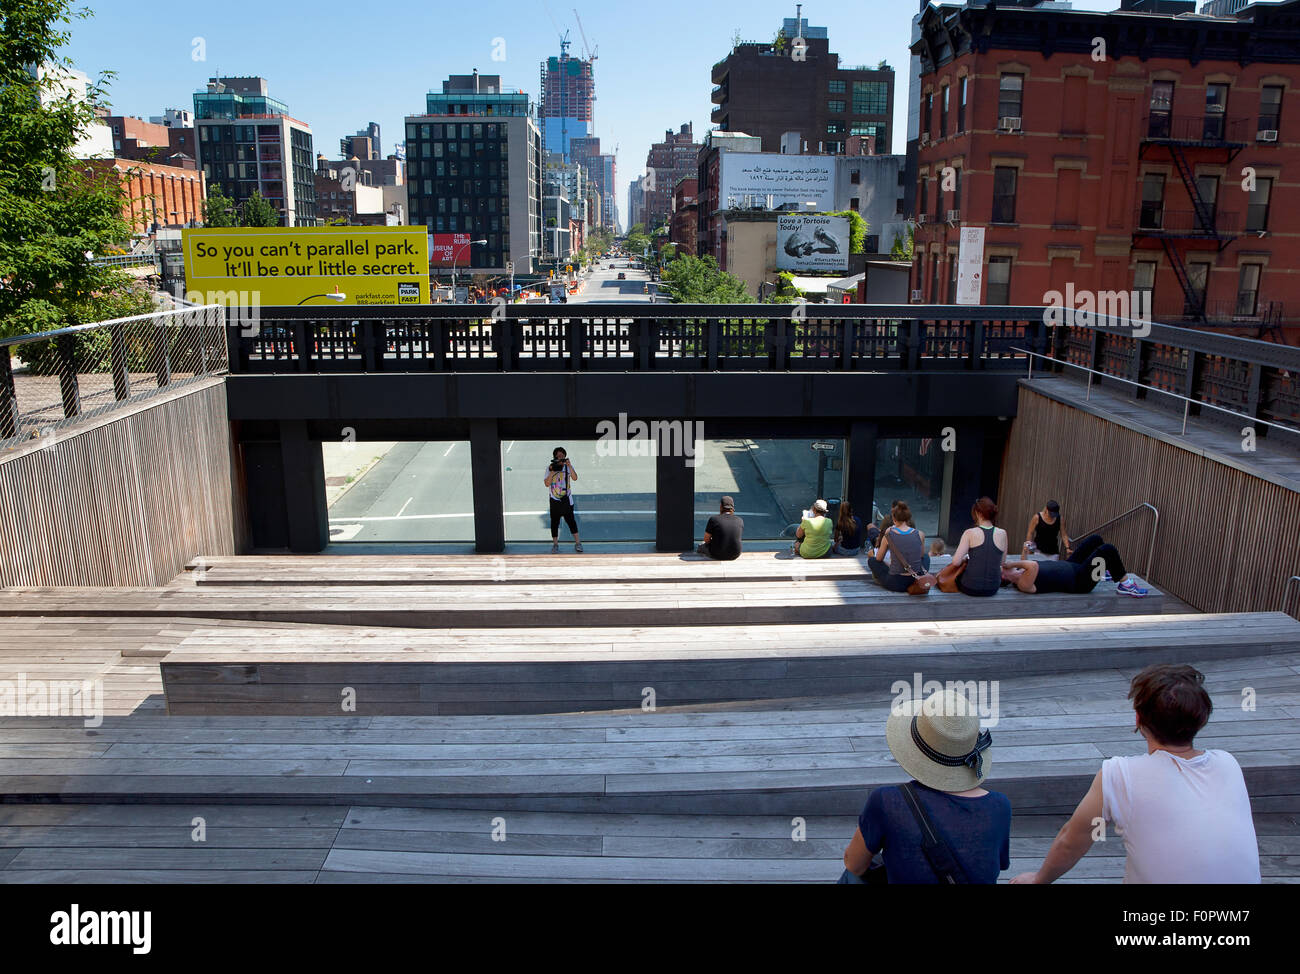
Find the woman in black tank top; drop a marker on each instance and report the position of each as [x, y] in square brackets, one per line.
[984, 547]
[1047, 532]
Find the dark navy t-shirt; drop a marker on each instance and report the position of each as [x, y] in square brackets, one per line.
[978, 830]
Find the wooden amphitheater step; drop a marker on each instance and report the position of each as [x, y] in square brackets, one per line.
[586, 603]
[1050, 733]
[306, 671]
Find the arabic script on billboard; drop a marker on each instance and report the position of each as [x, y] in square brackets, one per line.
[770, 180]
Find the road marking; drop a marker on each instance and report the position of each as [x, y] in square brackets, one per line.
[449, 449]
[405, 506]
[511, 446]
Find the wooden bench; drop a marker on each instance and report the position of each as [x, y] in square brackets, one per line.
[303, 671]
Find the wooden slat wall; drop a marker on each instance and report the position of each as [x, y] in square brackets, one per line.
[123, 502]
[1227, 542]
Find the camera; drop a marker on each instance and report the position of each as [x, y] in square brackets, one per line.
[557, 465]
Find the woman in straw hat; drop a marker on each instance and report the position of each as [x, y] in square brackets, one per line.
[939, 743]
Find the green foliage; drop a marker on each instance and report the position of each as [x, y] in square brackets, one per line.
[857, 229]
[219, 209]
[257, 212]
[54, 208]
[697, 280]
[786, 292]
[902, 248]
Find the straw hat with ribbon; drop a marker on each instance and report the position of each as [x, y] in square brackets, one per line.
[938, 741]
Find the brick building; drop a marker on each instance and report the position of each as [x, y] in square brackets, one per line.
[1150, 169]
[682, 225]
[673, 159]
[797, 85]
[157, 196]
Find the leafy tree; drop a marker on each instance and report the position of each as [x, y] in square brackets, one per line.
[857, 229]
[786, 292]
[219, 209]
[56, 212]
[257, 212]
[902, 248]
[697, 280]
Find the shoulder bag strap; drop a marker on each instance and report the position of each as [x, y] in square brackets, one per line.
[945, 865]
[897, 554]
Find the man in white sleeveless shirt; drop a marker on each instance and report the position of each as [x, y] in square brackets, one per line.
[1183, 813]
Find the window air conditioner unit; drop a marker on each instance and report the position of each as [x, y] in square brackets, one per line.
[1266, 135]
[925, 138]
[954, 216]
[920, 219]
[1009, 123]
[916, 296]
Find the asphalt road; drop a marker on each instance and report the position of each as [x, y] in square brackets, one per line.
[422, 492]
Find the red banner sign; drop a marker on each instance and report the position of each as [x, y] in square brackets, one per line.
[449, 248]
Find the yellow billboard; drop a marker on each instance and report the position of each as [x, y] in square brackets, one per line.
[276, 266]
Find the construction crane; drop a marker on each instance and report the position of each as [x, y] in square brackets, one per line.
[587, 48]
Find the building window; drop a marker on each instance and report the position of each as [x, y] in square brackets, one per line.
[922, 191]
[961, 105]
[835, 87]
[1257, 206]
[1144, 276]
[1011, 90]
[1162, 106]
[1198, 280]
[1248, 289]
[836, 106]
[1270, 108]
[1207, 187]
[943, 112]
[1216, 107]
[934, 279]
[952, 278]
[928, 115]
[853, 203]
[1004, 194]
[870, 97]
[855, 177]
[1152, 213]
[834, 128]
[999, 279]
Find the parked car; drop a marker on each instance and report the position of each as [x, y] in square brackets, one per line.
[622, 276]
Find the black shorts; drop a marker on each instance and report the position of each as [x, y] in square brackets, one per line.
[562, 510]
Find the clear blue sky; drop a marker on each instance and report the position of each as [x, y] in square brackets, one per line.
[340, 65]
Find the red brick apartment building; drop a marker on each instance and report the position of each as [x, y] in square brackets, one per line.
[1135, 150]
[682, 225]
[157, 196]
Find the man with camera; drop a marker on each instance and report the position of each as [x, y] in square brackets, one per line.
[559, 478]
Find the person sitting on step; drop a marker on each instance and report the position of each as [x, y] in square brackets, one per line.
[1184, 813]
[1046, 534]
[905, 546]
[723, 532]
[814, 537]
[939, 744]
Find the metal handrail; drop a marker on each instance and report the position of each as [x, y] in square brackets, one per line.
[1286, 590]
[1155, 526]
[96, 325]
[1187, 402]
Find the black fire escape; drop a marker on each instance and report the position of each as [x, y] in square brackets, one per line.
[1198, 138]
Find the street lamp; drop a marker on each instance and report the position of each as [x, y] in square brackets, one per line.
[336, 296]
[454, 255]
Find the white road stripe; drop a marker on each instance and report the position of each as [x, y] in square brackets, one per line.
[449, 449]
[405, 506]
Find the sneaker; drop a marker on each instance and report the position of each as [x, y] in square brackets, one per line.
[577, 546]
[1130, 587]
[555, 547]
[1108, 578]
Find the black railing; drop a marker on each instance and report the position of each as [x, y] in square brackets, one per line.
[1208, 130]
[635, 338]
[1256, 378]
